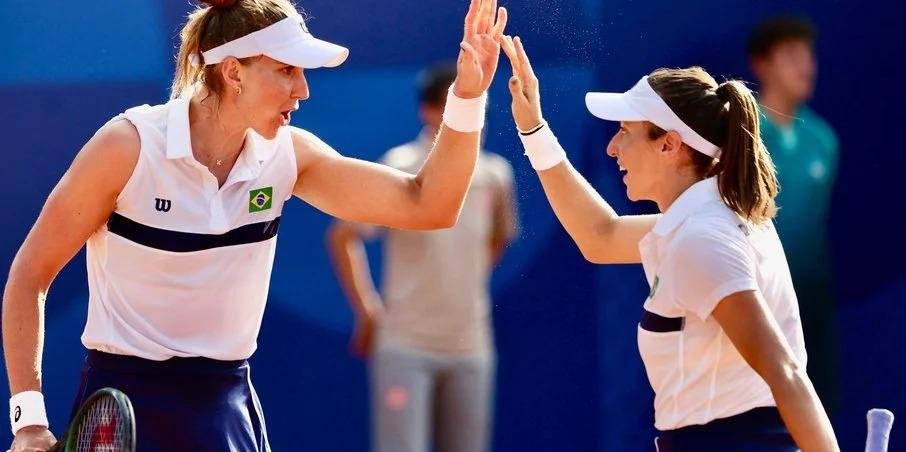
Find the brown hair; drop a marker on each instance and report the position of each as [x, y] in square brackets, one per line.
[210, 26]
[776, 30]
[728, 116]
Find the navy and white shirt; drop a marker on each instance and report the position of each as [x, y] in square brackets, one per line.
[698, 253]
[182, 267]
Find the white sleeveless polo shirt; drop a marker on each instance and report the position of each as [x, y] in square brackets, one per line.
[182, 267]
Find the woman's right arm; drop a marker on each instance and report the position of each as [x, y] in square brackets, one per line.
[80, 204]
[603, 236]
[747, 321]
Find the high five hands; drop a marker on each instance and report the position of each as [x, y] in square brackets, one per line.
[478, 58]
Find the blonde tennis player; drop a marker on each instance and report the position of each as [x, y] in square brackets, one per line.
[180, 204]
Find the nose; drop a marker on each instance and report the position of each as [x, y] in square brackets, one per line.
[612, 148]
[300, 88]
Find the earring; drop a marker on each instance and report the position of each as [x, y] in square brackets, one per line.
[239, 89]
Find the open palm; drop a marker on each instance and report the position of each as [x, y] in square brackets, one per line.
[523, 85]
[480, 48]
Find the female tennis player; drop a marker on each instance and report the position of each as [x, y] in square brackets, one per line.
[180, 204]
[720, 333]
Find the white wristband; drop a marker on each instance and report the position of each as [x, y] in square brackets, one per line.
[465, 115]
[25, 409]
[542, 148]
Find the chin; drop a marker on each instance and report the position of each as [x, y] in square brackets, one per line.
[635, 195]
[269, 132]
[629, 195]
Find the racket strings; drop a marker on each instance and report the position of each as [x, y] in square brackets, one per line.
[103, 429]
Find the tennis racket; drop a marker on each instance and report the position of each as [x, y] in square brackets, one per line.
[879, 424]
[104, 423]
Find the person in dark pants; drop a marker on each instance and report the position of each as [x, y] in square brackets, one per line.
[805, 152]
[719, 332]
[180, 204]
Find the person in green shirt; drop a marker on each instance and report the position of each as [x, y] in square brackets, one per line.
[805, 151]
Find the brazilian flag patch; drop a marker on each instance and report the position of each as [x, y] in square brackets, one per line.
[260, 199]
[657, 280]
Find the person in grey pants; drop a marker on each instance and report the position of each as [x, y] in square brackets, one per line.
[428, 334]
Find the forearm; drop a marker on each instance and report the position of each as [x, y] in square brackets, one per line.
[351, 264]
[444, 179]
[746, 319]
[584, 214]
[23, 331]
[802, 411]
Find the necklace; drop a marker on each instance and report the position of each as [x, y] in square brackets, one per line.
[219, 162]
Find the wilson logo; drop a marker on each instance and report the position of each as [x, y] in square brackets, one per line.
[162, 205]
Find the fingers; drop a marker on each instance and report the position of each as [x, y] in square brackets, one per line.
[523, 58]
[482, 21]
[471, 16]
[523, 75]
[492, 11]
[500, 26]
[506, 42]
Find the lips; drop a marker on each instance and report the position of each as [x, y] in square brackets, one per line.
[623, 171]
[286, 115]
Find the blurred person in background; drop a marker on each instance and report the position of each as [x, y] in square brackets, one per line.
[429, 334]
[805, 151]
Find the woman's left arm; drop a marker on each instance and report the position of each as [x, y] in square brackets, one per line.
[364, 192]
[745, 318]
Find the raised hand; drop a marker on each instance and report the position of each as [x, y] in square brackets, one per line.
[523, 85]
[480, 48]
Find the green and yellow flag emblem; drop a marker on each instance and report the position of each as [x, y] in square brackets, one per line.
[260, 199]
[657, 281]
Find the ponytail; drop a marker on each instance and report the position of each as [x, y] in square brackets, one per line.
[726, 115]
[189, 67]
[746, 174]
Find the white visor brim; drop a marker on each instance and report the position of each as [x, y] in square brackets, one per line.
[642, 103]
[310, 54]
[287, 41]
[612, 107]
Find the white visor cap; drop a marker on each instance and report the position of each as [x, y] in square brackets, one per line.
[642, 103]
[287, 41]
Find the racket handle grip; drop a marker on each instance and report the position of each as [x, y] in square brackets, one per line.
[879, 425]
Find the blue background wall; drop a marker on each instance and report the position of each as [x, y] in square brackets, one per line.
[569, 373]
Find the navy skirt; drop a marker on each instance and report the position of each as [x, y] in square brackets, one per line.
[182, 404]
[757, 430]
